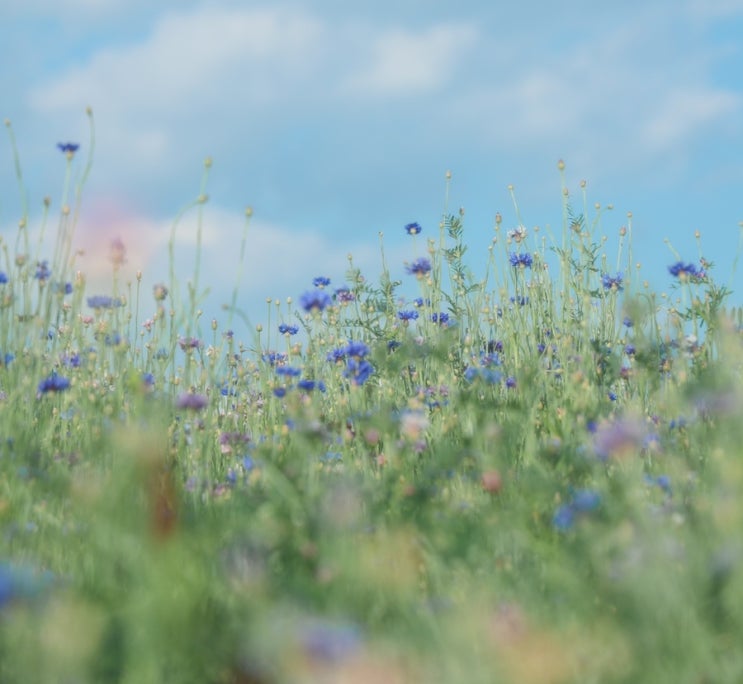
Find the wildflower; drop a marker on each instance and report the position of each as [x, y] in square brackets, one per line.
[68, 148]
[629, 349]
[321, 281]
[160, 292]
[583, 501]
[684, 271]
[103, 302]
[440, 318]
[521, 300]
[413, 229]
[42, 271]
[274, 358]
[356, 349]
[336, 355]
[344, 295]
[189, 343]
[117, 252]
[521, 259]
[517, 234]
[285, 329]
[3, 278]
[418, 302]
[358, 371]
[289, 371]
[510, 382]
[618, 438]
[71, 360]
[327, 641]
[315, 300]
[419, 267]
[310, 385]
[54, 383]
[6, 359]
[407, 315]
[613, 283]
[192, 401]
[279, 392]
[628, 322]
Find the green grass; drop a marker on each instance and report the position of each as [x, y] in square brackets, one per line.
[512, 495]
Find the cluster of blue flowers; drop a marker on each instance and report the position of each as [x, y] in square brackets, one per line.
[358, 369]
[583, 501]
[688, 271]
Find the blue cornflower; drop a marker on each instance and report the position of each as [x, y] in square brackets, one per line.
[413, 229]
[407, 315]
[521, 259]
[54, 383]
[613, 283]
[289, 371]
[3, 278]
[630, 349]
[358, 371]
[310, 385]
[418, 302]
[344, 295]
[564, 518]
[315, 300]
[6, 359]
[71, 360]
[42, 270]
[419, 267]
[336, 355]
[192, 402]
[321, 281]
[279, 392]
[521, 300]
[274, 358]
[440, 318]
[68, 147]
[585, 500]
[103, 302]
[356, 349]
[684, 271]
[285, 329]
[510, 382]
[628, 322]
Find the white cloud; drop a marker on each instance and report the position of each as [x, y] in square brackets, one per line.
[408, 62]
[682, 113]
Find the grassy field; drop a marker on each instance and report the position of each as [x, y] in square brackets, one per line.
[528, 475]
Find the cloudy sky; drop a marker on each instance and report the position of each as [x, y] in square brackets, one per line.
[338, 120]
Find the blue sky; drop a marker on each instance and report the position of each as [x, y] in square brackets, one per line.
[337, 120]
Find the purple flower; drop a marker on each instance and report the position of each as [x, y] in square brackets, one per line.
[189, 343]
[344, 295]
[54, 383]
[440, 318]
[613, 283]
[321, 281]
[617, 438]
[279, 392]
[103, 302]
[191, 401]
[684, 271]
[289, 371]
[285, 329]
[310, 385]
[42, 270]
[356, 349]
[68, 147]
[315, 300]
[413, 229]
[407, 315]
[510, 382]
[521, 259]
[358, 371]
[3, 278]
[419, 267]
[274, 358]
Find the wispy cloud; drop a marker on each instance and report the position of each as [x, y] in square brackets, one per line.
[405, 62]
